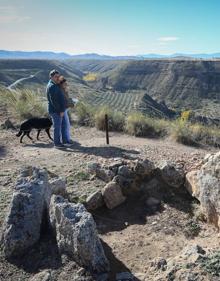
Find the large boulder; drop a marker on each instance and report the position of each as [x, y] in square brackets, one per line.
[193, 263]
[171, 174]
[77, 235]
[115, 164]
[125, 171]
[112, 195]
[22, 226]
[192, 184]
[58, 186]
[204, 184]
[105, 174]
[44, 275]
[100, 172]
[185, 266]
[95, 200]
[128, 185]
[143, 168]
[92, 167]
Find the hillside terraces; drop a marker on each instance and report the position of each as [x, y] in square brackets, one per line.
[183, 84]
[11, 70]
[149, 86]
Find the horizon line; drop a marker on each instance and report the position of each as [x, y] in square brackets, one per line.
[111, 55]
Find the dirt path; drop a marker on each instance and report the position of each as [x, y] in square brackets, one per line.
[90, 145]
[14, 84]
[131, 236]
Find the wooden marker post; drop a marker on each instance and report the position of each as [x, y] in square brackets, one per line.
[106, 129]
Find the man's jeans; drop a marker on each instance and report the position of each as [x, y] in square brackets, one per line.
[60, 128]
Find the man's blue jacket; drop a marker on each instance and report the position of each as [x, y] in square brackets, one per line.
[56, 99]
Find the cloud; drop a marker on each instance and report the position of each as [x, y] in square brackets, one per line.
[168, 39]
[9, 14]
[13, 19]
[6, 8]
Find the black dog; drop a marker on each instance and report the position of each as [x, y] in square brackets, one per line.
[35, 123]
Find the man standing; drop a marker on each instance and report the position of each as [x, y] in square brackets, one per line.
[56, 108]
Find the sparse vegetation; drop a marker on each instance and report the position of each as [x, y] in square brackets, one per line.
[211, 263]
[192, 229]
[85, 114]
[136, 125]
[24, 104]
[123, 85]
[81, 176]
[90, 77]
[141, 126]
[185, 115]
[116, 119]
[195, 134]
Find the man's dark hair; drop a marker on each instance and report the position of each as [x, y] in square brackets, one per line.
[53, 72]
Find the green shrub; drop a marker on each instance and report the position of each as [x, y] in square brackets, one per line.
[135, 125]
[141, 126]
[181, 133]
[85, 114]
[115, 119]
[100, 117]
[210, 136]
[117, 122]
[195, 134]
[211, 263]
[161, 126]
[90, 77]
[24, 103]
[192, 229]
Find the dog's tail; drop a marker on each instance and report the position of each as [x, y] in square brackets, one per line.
[19, 133]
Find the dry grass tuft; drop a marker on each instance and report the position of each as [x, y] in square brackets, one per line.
[24, 103]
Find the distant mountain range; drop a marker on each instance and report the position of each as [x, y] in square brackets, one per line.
[4, 54]
[32, 55]
[181, 55]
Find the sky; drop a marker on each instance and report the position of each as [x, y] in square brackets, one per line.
[112, 27]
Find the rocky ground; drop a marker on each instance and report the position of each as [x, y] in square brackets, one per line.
[133, 238]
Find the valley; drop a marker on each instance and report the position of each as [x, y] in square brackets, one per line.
[159, 88]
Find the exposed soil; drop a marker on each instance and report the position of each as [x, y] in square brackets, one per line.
[131, 235]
